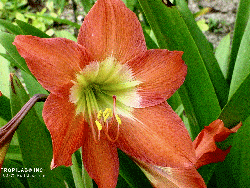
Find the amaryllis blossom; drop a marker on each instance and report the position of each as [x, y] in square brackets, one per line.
[107, 91]
[206, 152]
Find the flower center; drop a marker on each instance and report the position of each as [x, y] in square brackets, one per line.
[100, 87]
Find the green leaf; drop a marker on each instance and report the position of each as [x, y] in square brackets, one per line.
[65, 34]
[14, 152]
[31, 30]
[131, 173]
[8, 57]
[59, 20]
[242, 66]
[238, 158]
[234, 171]
[11, 27]
[242, 17]
[238, 108]
[122, 183]
[33, 87]
[6, 41]
[206, 52]
[5, 112]
[149, 41]
[87, 4]
[130, 4]
[11, 180]
[172, 33]
[222, 54]
[34, 142]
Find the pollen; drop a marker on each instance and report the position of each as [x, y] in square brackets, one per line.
[99, 115]
[107, 113]
[118, 119]
[98, 124]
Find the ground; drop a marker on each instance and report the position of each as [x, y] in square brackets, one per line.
[221, 18]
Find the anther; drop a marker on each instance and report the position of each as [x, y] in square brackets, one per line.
[118, 119]
[99, 115]
[98, 124]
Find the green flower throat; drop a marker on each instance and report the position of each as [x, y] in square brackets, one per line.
[104, 85]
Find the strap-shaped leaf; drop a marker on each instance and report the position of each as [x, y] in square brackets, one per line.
[6, 41]
[206, 52]
[242, 18]
[31, 30]
[34, 141]
[172, 33]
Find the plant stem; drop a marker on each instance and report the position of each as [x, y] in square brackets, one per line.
[7, 131]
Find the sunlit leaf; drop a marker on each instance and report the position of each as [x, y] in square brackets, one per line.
[242, 18]
[6, 41]
[241, 68]
[31, 30]
[222, 54]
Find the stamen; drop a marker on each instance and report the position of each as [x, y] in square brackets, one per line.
[118, 119]
[114, 104]
[107, 113]
[99, 125]
[89, 105]
[114, 116]
[99, 115]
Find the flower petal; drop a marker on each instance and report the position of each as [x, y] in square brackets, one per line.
[111, 29]
[66, 129]
[172, 177]
[157, 136]
[204, 144]
[54, 62]
[100, 159]
[161, 72]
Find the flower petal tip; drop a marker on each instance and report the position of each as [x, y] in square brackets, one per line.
[205, 147]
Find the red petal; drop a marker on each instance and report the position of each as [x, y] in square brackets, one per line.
[157, 136]
[100, 159]
[204, 144]
[66, 129]
[172, 177]
[214, 156]
[54, 62]
[162, 72]
[110, 28]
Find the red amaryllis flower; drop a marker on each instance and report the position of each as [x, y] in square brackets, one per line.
[206, 152]
[107, 92]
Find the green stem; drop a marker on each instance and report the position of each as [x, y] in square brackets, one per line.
[76, 171]
[86, 178]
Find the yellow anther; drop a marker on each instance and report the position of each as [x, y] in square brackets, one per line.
[118, 119]
[110, 112]
[105, 112]
[106, 117]
[99, 115]
[99, 125]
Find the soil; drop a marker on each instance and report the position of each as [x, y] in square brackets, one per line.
[221, 18]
